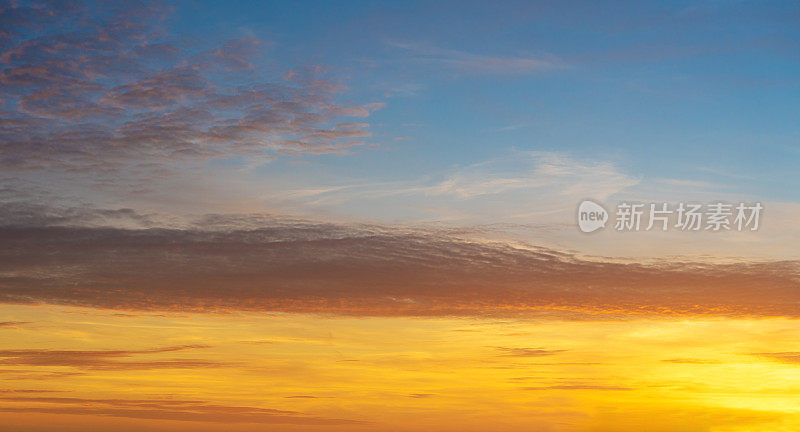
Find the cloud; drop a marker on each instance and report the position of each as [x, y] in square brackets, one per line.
[691, 361]
[274, 264]
[545, 170]
[523, 186]
[578, 387]
[21, 213]
[12, 323]
[478, 64]
[35, 375]
[301, 397]
[101, 360]
[786, 357]
[103, 89]
[690, 183]
[527, 352]
[165, 409]
[24, 391]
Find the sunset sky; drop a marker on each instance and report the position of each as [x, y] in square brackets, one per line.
[361, 216]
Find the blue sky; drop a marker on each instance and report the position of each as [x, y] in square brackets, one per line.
[674, 89]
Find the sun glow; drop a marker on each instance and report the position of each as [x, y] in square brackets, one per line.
[315, 372]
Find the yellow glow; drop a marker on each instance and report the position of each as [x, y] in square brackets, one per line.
[414, 374]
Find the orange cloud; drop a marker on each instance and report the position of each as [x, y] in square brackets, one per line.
[578, 387]
[12, 323]
[527, 352]
[165, 409]
[786, 357]
[101, 360]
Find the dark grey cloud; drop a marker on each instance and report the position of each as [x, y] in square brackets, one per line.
[30, 214]
[275, 264]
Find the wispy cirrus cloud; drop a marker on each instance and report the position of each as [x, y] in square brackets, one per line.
[531, 186]
[470, 63]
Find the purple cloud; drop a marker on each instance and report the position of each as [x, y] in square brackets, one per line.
[101, 89]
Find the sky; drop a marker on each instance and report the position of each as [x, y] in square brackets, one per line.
[357, 215]
[410, 114]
